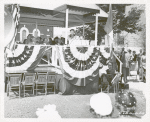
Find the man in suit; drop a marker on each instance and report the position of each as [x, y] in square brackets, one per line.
[125, 67]
[134, 56]
[139, 59]
[71, 36]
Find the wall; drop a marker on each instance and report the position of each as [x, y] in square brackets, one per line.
[31, 27]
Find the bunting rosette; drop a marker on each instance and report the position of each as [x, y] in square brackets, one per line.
[80, 64]
[25, 58]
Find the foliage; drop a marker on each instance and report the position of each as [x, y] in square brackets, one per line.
[143, 35]
[121, 22]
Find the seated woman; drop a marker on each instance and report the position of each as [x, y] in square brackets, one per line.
[50, 42]
[25, 41]
[32, 42]
[40, 40]
[36, 40]
[45, 41]
[56, 40]
[29, 39]
[63, 40]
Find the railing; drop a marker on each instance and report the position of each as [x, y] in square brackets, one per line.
[119, 62]
[115, 80]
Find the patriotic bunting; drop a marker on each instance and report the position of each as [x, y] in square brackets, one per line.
[25, 59]
[80, 69]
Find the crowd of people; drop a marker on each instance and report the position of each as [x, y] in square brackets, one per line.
[31, 40]
[128, 58]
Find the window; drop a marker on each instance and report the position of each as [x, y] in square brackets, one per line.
[24, 32]
[24, 35]
[36, 33]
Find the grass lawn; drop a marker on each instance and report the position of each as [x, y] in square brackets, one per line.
[68, 106]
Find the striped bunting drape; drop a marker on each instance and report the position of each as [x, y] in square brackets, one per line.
[26, 59]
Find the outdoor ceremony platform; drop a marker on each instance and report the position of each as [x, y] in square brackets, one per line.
[78, 61]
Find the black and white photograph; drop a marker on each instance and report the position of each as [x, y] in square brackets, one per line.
[74, 61]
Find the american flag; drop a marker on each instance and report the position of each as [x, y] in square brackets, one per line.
[14, 10]
[109, 27]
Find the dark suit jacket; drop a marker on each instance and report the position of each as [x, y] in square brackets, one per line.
[125, 60]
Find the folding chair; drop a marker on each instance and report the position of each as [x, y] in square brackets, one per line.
[28, 82]
[41, 82]
[133, 70]
[14, 83]
[51, 80]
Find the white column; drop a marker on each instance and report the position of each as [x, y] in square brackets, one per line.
[36, 32]
[54, 56]
[106, 41]
[66, 26]
[110, 44]
[96, 29]
[83, 29]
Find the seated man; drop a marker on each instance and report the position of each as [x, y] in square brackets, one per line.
[35, 40]
[29, 39]
[107, 78]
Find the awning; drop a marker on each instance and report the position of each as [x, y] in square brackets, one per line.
[83, 9]
[55, 18]
[79, 8]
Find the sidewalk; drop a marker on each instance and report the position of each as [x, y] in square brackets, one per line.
[136, 84]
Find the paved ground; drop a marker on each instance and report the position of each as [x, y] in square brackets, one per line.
[68, 106]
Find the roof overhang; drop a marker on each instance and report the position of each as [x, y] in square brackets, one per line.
[55, 18]
[78, 8]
